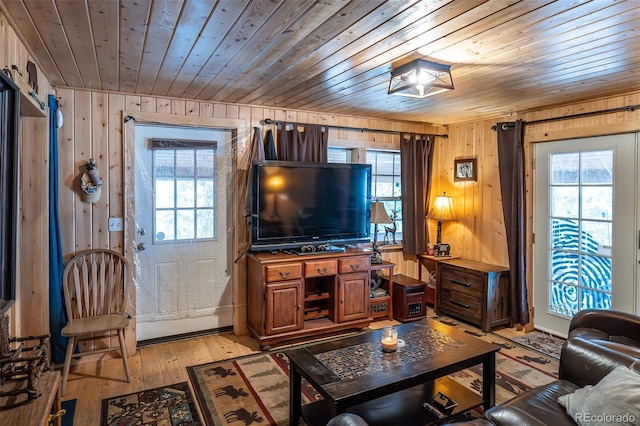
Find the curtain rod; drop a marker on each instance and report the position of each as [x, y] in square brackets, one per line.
[360, 129]
[630, 108]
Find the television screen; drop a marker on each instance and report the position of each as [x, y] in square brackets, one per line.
[309, 203]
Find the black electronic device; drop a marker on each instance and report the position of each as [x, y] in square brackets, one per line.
[443, 402]
[441, 249]
[295, 205]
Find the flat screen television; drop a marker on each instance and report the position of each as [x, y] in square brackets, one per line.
[9, 144]
[299, 204]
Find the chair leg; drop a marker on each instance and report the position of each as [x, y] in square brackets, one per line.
[123, 353]
[67, 363]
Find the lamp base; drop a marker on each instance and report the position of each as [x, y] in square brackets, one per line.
[376, 257]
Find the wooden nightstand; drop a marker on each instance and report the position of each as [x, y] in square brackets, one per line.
[475, 292]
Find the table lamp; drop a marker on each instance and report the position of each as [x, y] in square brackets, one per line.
[378, 215]
[441, 210]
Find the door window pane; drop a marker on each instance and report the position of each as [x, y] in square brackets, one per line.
[581, 212]
[184, 193]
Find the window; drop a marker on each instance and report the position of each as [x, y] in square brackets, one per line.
[338, 155]
[184, 194]
[386, 187]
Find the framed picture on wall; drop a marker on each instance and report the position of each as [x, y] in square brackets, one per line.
[465, 169]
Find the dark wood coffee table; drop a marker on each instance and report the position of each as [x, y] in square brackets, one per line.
[354, 375]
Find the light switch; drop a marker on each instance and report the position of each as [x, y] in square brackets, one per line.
[116, 224]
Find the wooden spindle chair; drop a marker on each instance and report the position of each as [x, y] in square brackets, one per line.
[95, 293]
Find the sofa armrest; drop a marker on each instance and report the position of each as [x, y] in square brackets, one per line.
[585, 362]
[614, 323]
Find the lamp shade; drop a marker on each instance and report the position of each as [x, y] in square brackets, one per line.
[379, 214]
[442, 209]
[420, 78]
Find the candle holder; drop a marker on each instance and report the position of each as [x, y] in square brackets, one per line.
[389, 339]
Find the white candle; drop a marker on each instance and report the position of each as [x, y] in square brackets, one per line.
[389, 339]
[389, 344]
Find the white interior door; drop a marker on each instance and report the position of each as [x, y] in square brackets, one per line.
[181, 256]
[585, 228]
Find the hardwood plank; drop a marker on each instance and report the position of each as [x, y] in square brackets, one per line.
[158, 39]
[132, 28]
[113, 377]
[258, 45]
[104, 17]
[88, 400]
[200, 351]
[197, 68]
[75, 15]
[307, 51]
[22, 22]
[151, 368]
[82, 153]
[100, 155]
[172, 371]
[116, 172]
[67, 174]
[137, 375]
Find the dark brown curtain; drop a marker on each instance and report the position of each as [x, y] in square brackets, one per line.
[416, 159]
[309, 145]
[511, 168]
[257, 154]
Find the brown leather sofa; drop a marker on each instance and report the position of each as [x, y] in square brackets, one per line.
[598, 342]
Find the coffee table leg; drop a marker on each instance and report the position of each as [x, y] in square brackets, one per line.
[295, 398]
[489, 381]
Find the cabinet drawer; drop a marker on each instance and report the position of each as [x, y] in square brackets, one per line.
[288, 271]
[466, 305]
[320, 268]
[461, 281]
[353, 264]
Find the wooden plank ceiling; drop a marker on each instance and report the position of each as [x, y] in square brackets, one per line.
[335, 56]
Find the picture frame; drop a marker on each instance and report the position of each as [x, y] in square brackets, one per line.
[465, 169]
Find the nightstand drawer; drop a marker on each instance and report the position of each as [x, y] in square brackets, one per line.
[463, 304]
[462, 281]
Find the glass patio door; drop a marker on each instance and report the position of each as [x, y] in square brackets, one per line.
[585, 228]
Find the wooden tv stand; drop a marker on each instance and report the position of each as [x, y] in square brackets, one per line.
[291, 297]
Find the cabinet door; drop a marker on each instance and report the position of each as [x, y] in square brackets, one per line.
[284, 307]
[353, 297]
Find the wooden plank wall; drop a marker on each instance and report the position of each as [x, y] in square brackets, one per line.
[28, 316]
[479, 233]
[94, 129]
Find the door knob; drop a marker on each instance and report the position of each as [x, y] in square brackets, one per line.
[141, 246]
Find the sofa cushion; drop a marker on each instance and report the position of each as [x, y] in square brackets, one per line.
[615, 399]
[536, 407]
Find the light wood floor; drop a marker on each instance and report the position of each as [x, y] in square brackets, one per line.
[153, 366]
[150, 367]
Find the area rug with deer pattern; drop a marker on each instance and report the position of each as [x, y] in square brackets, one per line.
[171, 405]
[254, 389]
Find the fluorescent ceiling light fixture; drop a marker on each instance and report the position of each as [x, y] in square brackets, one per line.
[420, 78]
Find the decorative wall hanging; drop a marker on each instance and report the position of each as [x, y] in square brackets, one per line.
[465, 169]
